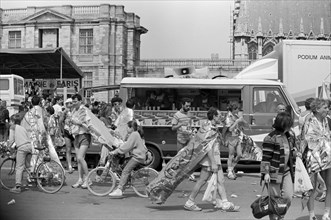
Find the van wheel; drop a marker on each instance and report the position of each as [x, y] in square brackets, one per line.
[154, 160]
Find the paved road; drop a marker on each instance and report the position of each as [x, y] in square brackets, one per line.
[80, 204]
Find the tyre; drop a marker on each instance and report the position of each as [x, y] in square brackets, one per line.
[101, 182]
[141, 178]
[50, 176]
[156, 161]
[7, 173]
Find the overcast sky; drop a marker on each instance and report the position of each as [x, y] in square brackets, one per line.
[176, 29]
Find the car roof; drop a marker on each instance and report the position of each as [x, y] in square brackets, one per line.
[146, 82]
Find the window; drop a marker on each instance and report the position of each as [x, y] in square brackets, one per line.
[18, 87]
[87, 82]
[86, 41]
[14, 39]
[267, 99]
[252, 53]
[4, 84]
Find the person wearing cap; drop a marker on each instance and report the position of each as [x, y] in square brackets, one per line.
[116, 102]
[68, 137]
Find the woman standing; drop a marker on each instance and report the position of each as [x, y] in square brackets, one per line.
[278, 160]
[317, 134]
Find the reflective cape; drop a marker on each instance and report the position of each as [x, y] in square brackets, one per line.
[183, 164]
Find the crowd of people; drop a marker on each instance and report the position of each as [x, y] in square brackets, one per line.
[70, 125]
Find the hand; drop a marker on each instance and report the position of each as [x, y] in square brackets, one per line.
[112, 153]
[298, 154]
[214, 168]
[267, 178]
[76, 121]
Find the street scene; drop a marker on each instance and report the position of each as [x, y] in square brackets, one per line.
[165, 109]
[72, 203]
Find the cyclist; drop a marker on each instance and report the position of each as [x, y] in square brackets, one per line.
[19, 136]
[135, 146]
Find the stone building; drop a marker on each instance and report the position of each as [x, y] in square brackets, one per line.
[103, 40]
[259, 25]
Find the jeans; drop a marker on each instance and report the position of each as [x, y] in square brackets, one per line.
[127, 172]
[285, 190]
[22, 152]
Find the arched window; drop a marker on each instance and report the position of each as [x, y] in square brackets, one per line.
[267, 50]
[252, 53]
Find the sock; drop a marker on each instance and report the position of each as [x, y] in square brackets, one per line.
[189, 202]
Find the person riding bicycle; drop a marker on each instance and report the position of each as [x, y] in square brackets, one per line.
[135, 146]
[19, 136]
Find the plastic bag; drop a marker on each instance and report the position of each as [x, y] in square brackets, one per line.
[210, 193]
[302, 183]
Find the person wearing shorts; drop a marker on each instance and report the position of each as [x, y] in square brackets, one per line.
[80, 121]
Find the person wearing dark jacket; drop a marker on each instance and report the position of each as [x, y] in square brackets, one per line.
[278, 159]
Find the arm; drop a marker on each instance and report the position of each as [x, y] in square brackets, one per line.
[11, 135]
[127, 146]
[175, 123]
[211, 157]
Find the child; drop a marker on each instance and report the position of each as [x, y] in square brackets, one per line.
[20, 136]
[135, 145]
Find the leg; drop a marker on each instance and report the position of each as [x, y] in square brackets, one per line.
[327, 180]
[127, 172]
[22, 152]
[231, 147]
[68, 153]
[220, 185]
[274, 190]
[124, 177]
[190, 203]
[83, 165]
[103, 155]
[311, 199]
[238, 149]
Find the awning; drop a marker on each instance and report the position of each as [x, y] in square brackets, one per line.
[102, 88]
[38, 63]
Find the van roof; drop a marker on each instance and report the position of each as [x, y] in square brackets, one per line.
[144, 82]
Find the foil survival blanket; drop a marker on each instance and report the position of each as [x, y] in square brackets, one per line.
[182, 165]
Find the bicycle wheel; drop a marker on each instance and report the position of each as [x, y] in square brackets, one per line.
[141, 178]
[50, 176]
[101, 182]
[7, 173]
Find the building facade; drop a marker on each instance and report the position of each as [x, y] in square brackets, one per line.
[259, 25]
[103, 40]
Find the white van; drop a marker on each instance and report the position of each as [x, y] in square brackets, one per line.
[12, 91]
[204, 93]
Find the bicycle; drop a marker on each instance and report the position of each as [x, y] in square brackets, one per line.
[48, 174]
[104, 179]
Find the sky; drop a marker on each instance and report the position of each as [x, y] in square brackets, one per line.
[176, 29]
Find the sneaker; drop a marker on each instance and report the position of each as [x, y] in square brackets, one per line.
[85, 184]
[231, 176]
[15, 190]
[77, 184]
[326, 217]
[192, 207]
[116, 193]
[192, 178]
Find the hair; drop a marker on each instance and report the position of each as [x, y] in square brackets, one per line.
[308, 102]
[317, 104]
[77, 96]
[232, 106]
[50, 110]
[56, 99]
[116, 99]
[283, 122]
[35, 100]
[16, 118]
[133, 124]
[130, 103]
[185, 99]
[211, 113]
